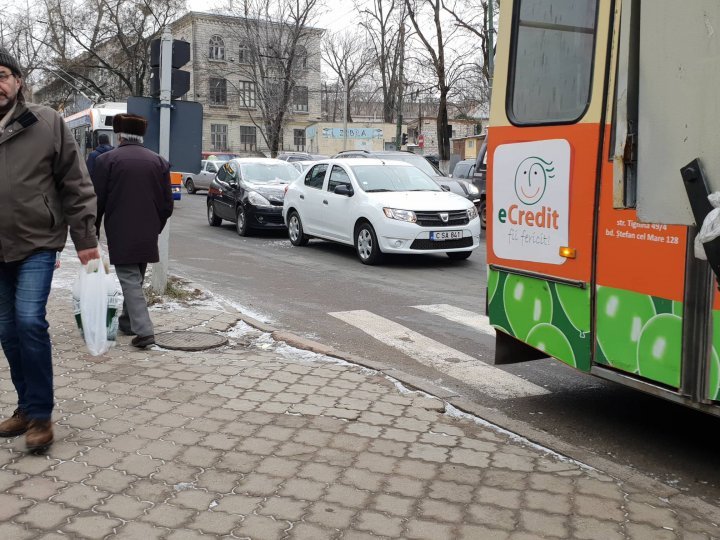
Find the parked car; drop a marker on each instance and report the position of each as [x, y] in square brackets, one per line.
[455, 185]
[226, 156]
[474, 170]
[302, 166]
[249, 192]
[379, 207]
[300, 156]
[203, 179]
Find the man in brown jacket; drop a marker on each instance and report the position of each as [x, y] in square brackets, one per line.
[135, 198]
[44, 188]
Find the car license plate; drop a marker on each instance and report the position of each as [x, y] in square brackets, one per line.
[446, 235]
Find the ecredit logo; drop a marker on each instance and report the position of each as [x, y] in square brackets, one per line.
[531, 182]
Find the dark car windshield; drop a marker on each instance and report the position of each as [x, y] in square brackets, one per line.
[263, 173]
[388, 177]
[418, 161]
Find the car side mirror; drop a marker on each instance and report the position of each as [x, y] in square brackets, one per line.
[344, 189]
[445, 188]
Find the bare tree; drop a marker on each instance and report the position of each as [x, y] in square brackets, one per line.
[447, 63]
[383, 22]
[472, 16]
[276, 38]
[350, 60]
[23, 36]
[103, 44]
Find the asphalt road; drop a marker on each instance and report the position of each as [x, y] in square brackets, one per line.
[298, 288]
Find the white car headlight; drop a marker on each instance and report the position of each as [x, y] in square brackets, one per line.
[400, 215]
[256, 199]
[472, 212]
[473, 190]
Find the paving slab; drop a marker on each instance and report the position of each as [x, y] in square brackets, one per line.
[258, 439]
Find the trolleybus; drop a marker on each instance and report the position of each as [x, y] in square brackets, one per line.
[87, 125]
[604, 142]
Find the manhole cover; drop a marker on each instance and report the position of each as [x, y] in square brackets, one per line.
[189, 341]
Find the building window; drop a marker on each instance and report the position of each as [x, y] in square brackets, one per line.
[218, 92]
[218, 137]
[299, 140]
[300, 98]
[217, 48]
[246, 90]
[301, 53]
[248, 138]
[244, 54]
[274, 58]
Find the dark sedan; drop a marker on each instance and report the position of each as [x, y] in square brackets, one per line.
[249, 192]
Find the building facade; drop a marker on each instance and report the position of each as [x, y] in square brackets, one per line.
[223, 80]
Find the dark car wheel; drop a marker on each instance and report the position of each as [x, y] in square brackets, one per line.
[459, 255]
[213, 220]
[482, 211]
[295, 230]
[366, 245]
[190, 186]
[241, 225]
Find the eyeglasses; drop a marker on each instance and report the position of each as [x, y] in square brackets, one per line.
[5, 76]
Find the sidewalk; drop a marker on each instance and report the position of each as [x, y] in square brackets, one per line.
[259, 440]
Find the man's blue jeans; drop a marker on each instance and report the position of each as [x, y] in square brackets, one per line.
[24, 291]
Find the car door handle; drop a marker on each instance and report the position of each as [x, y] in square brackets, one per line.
[325, 201]
[302, 196]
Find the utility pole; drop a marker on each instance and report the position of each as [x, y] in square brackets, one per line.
[346, 99]
[401, 82]
[160, 269]
[491, 47]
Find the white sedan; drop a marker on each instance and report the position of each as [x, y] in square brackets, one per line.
[379, 207]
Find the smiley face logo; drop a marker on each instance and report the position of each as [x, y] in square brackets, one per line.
[531, 179]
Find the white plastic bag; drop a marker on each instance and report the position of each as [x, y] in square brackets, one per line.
[710, 229]
[97, 301]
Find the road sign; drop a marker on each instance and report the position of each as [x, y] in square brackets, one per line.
[185, 130]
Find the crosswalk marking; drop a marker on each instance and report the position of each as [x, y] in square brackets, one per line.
[493, 381]
[480, 323]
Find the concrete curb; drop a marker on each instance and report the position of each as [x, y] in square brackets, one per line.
[621, 473]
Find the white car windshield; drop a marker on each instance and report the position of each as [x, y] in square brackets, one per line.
[375, 178]
[264, 173]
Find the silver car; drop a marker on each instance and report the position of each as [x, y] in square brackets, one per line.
[203, 179]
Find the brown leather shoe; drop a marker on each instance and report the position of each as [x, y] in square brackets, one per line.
[39, 435]
[16, 425]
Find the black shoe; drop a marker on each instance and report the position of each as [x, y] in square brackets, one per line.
[142, 342]
[125, 332]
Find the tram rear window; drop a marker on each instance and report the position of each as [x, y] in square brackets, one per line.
[551, 68]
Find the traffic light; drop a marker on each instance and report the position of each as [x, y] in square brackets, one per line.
[180, 84]
[404, 139]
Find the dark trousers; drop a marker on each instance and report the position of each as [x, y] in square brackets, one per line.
[24, 291]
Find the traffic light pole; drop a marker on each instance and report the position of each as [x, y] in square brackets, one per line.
[160, 269]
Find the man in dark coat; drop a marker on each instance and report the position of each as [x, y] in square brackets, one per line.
[102, 147]
[134, 194]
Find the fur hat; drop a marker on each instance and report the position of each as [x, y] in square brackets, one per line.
[8, 60]
[130, 124]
